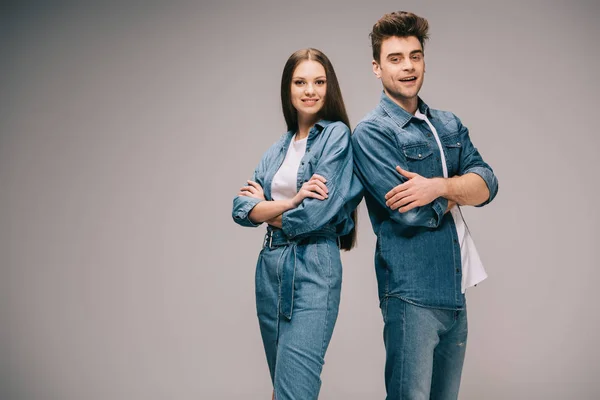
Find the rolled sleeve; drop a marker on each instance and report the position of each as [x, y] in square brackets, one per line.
[490, 180]
[242, 205]
[472, 162]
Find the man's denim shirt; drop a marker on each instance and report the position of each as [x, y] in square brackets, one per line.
[418, 255]
[329, 154]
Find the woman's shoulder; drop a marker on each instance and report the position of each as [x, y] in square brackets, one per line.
[336, 128]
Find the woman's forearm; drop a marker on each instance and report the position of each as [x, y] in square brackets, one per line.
[266, 210]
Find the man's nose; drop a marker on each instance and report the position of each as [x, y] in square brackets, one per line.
[407, 65]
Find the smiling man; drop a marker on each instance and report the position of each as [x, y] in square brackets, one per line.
[418, 166]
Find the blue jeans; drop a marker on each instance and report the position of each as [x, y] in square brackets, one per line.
[425, 350]
[295, 345]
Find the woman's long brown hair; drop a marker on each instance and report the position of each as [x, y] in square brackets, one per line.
[333, 109]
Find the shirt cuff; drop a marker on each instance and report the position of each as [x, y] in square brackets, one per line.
[490, 180]
[439, 205]
[242, 215]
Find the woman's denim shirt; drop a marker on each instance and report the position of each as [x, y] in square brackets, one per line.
[417, 257]
[329, 154]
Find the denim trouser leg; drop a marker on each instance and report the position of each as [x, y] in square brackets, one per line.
[296, 347]
[425, 350]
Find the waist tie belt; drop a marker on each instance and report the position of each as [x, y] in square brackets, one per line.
[287, 263]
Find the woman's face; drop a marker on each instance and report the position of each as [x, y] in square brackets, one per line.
[309, 86]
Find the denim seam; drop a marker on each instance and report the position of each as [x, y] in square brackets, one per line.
[278, 298]
[328, 294]
[423, 305]
[379, 246]
[403, 347]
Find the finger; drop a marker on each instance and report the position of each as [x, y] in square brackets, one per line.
[410, 206]
[317, 189]
[405, 173]
[397, 197]
[248, 188]
[319, 177]
[398, 189]
[242, 193]
[315, 195]
[255, 185]
[320, 184]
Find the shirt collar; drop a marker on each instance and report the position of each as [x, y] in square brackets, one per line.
[399, 114]
[322, 124]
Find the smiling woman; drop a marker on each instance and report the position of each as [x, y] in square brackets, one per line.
[305, 190]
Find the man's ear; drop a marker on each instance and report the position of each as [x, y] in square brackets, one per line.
[376, 69]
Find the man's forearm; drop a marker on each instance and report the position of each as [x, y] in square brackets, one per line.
[466, 190]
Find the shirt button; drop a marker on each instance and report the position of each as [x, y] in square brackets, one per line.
[431, 222]
[420, 156]
[302, 162]
[308, 150]
[457, 269]
[458, 144]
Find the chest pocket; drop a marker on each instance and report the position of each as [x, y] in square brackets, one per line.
[452, 148]
[419, 158]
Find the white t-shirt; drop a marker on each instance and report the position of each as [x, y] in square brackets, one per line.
[283, 186]
[472, 267]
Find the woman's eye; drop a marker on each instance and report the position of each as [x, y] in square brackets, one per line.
[320, 82]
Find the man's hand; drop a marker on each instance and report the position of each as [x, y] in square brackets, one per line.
[415, 192]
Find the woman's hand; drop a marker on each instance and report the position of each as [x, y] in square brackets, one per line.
[252, 190]
[315, 188]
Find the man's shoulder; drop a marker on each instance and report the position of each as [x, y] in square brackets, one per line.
[447, 118]
[375, 120]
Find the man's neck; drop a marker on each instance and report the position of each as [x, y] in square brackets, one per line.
[409, 105]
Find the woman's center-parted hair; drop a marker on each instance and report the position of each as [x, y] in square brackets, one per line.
[333, 109]
[400, 24]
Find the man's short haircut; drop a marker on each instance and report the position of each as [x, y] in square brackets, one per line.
[401, 24]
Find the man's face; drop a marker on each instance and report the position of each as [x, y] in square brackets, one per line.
[401, 67]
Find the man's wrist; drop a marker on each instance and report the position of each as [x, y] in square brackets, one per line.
[442, 187]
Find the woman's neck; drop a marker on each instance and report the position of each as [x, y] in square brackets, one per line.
[304, 125]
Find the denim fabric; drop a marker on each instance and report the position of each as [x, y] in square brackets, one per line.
[295, 348]
[417, 257]
[425, 350]
[329, 154]
[299, 272]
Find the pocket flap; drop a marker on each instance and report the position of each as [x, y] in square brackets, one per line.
[417, 151]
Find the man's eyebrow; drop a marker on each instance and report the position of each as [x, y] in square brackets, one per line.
[401, 54]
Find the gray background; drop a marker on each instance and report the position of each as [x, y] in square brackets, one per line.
[125, 131]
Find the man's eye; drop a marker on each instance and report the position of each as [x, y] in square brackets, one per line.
[394, 59]
[416, 57]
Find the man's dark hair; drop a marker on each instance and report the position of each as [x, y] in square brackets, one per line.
[401, 24]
